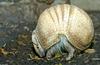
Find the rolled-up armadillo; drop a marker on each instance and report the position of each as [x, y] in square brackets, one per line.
[62, 27]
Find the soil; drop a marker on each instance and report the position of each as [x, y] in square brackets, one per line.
[18, 18]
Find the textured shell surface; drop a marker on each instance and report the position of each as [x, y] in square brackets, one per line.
[65, 19]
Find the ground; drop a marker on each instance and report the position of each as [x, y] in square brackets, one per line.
[18, 18]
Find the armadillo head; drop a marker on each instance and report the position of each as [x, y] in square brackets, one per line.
[38, 48]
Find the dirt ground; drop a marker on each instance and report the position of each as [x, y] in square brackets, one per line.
[18, 18]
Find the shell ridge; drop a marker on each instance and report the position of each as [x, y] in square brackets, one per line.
[62, 10]
[50, 15]
[62, 14]
[52, 19]
[68, 21]
[55, 10]
[56, 22]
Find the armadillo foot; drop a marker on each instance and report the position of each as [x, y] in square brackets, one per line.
[70, 55]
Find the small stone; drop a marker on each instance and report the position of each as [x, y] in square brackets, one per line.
[26, 28]
[3, 52]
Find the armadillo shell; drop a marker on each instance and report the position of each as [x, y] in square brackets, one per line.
[68, 20]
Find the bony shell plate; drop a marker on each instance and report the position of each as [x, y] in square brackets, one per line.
[68, 20]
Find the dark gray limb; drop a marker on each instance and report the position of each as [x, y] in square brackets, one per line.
[68, 47]
[63, 44]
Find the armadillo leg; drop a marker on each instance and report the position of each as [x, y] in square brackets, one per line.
[68, 47]
[51, 52]
[54, 49]
[62, 44]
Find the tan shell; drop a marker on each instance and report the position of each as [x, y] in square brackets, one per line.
[68, 20]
